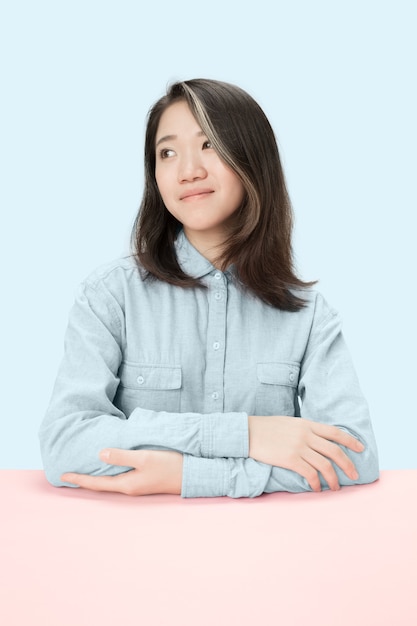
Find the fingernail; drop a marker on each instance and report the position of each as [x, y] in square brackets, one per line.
[354, 475]
[360, 446]
[105, 455]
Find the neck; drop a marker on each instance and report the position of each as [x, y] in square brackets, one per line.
[209, 245]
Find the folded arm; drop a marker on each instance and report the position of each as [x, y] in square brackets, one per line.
[305, 455]
[82, 419]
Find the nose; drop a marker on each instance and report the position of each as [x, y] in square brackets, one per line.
[191, 168]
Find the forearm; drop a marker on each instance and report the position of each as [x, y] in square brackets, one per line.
[273, 437]
[324, 454]
[71, 442]
[236, 478]
[240, 478]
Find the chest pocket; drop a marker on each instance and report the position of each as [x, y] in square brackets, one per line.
[154, 387]
[276, 392]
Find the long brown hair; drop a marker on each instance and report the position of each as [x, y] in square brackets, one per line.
[260, 244]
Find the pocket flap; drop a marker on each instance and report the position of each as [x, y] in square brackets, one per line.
[278, 373]
[138, 376]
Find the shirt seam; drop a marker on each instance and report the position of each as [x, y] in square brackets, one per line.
[114, 313]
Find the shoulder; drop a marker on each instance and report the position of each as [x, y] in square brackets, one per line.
[321, 319]
[113, 272]
[116, 278]
[315, 302]
[317, 311]
[111, 285]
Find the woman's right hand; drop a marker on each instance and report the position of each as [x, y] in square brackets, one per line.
[303, 446]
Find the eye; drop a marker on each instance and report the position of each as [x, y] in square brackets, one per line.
[165, 153]
[207, 144]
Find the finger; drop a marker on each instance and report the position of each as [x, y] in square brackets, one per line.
[309, 473]
[333, 433]
[118, 456]
[324, 466]
[97, 483]
[336, 454]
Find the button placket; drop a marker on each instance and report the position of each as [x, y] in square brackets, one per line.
[216, 339]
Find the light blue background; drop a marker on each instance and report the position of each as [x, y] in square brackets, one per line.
[338, 82]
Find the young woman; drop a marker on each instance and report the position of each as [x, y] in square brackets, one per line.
[202, 365]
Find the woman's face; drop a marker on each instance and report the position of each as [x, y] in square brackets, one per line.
[195, 184]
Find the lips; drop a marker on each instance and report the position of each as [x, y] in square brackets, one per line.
[195, 193]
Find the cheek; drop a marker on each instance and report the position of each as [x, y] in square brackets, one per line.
[164, 185]
[233, 184]
[237, 190]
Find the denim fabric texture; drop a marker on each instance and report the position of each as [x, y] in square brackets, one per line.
[151, 365]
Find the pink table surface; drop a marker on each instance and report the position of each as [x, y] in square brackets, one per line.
[77, 558]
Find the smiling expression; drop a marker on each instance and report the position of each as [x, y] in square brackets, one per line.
[196, 186]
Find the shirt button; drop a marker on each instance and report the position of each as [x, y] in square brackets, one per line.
[140, 380]
[291, 377]
[218, 295]
[217, 275]
[216, 345]
[215, 395]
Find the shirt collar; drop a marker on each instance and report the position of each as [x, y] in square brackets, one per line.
[191, 261]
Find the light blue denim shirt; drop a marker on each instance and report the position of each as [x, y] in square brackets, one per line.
[151, 365]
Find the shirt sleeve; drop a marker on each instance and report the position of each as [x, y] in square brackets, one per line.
[329, 393]
[82, 419]
[236, 478]
[243, 478]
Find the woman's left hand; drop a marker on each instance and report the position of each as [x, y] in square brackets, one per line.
[154, 471]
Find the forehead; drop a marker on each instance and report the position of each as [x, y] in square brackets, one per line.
[177, 119]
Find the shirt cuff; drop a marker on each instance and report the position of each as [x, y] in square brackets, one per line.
[225, 435]
[204, 478]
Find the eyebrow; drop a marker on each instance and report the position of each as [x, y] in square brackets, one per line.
[173, 137]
